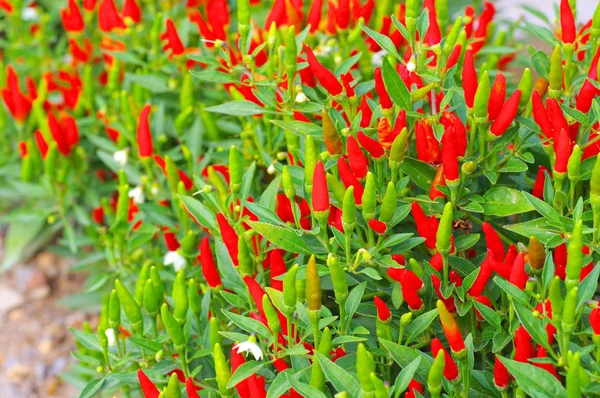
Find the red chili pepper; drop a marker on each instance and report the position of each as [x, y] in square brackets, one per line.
[191, 389]
[314, 15]
[148, 388]
[453, 335]
[540, 115]
[383, 312]
[399, 258]
[562, 150]
[450, 120]
[438, 180]
[278, 268]
[560, 260]
[98, 215]
[399, 124]
[449, 156]
[18, 104]
[469, 20]
[493, 242]
[485, 301]
[372, 146]
[144, 135]
[450, 368]
[230, 237]
[518, 276]
[469, 79]
[173, 41]
[422, 224]
[567, 22]
[485, 273]
[347, 80]
[58, 134]
[411, 284]
[595, 320]
[428, 148]
[343, 14]
[108, 16]
[384, 97]
[501, 376]
[349, 179]
[511, 255]
[507, 114]
[523, 347]
[385, 134]
[366, 112]
[170, 240]
[325, 77]
[71, 18]
[256, 292]
[412, 387]
[433, 35]
[436, 262]
[207, 262]
[453, 57]
[483, 23]
[356, 158]
[555, 114]
[548, 367]
[538, 185]
[435, 281]
[320, 193]
[379, 227]
[131, 9]
[588, 91]
[497, 95]
[237, 360]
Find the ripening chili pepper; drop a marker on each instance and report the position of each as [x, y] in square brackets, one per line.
[364, 366]
[507, 114]
[574, 257]
[497, 95]
[501, 376]
[450, 157]
[325, 77]
[207, 262]
[444, 231]
[540, 115]
[356, 158]
[451, 330]
[333, 140]
[229, 236]
[385, 133]
[435, 281]
[493, 241]
[384, 97]
[567, 22]
[313, 285]
[372, 146]
[71, 18]
[536, 254]
[148, 388]
[130, 307]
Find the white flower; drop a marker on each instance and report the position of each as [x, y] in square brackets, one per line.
[323, 50]
[250, 346]
[137, 194]
[175, 259]
[271, 169]
[29, 14]
[411, 66]
[301, 97]
[154, 190]
[377, 58]
[110, 335]
[121, 157]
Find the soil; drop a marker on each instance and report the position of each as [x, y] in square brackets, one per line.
[35, 343]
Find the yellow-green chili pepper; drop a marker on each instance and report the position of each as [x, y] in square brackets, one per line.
[173, 328]
[574, 257]
[131, 308]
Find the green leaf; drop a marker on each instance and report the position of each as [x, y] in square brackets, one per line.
[542, 207]
[421, 323]
[395, 86]
[538, 227]
[213, 76]
[238, 108]
[146, 344]
[20, 239]
[244, 371]
[587, 288]
[536, 382]
[534, 326]
[88, 340]
[406, 375]
[301, 129]
[404, 356]
[303, 388]
[200, 213]
[511, 290]
[354, 299]
[154, 83]
[465, 242]
[248, 324]
[487, 313]
[419, 172]
[92, 388]
[281, 237]
[338, 377]
[384, 42]
[504, 201]
[264, 214]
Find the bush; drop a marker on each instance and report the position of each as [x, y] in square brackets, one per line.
[311, 200]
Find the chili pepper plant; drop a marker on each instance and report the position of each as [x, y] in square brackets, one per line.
[329, 198]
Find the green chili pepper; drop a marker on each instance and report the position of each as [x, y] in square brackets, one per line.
[173, 328]
[452, 36]
[158, 285]
[243, 15]
[349, 211]
[365, 365]
[112, 80]
[338, 279]
[412, 15]
[574, 164]
[210, 124]
[102, 339]
[217, 180]
[288, 184]
[173, 390]
[573, 380]
[301, 289]
[317, 377]
[215, 336]
[574, 257]
[114, 311]
[421, 92]
[222, 370]
[186, 95]
[138, 292]
[271, 315]
[436, 375]
[556, 73]
[194, 298]
[526, 87]
[381, 390]
[180, 297]
[291, 52]
[188, 243]
[172, 173]
[236, 169]
[569, 311]
[246, 265]
[151, 300]
[556, 299]
[103, 318]
[482, 97]
[26, 169]
[337, 188]
[313, 285]
[50, 162]
[388, 204]
[444, 231]
[311, 156]
[289, 289]
[130, 307]
[369, 198]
